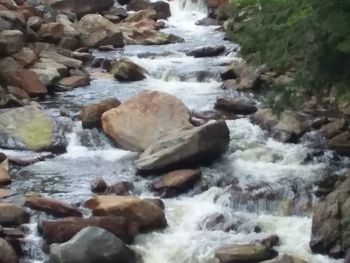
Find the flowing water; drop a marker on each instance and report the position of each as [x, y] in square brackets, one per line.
[258, 183]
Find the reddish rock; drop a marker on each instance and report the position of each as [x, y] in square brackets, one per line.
[52, 207]
[217, 3]
[74, 82]
[28, 81]
[4, 170]
[60, 231]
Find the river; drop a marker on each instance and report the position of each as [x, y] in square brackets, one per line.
[254, 184]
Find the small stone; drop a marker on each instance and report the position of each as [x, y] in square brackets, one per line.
[98, 185]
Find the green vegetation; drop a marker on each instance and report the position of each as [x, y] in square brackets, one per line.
[307, 38]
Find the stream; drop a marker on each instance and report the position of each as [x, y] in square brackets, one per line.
[259, 182]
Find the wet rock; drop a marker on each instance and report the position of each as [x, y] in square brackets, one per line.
[244, 253]
[270, 241]
[8, 254]
[91, 114]
[28, 81]
[184, 146]
[331, 222]
[34, 22]
[52, 207]
[333, 128]
[126, 70]
[4, 170]
[120, 188]
[207, 21]
[230, 84]
[216, 3]
[11, 214]
[25, 57]
[319, 122]
[340, 143]
[82, 7]
[137, 5]
[98, 185]
[141, 120]
[176, 182]
[207, 51]
[287, 128]
[23, 158]
[162, 9]
[209, 115]
[156, 201]
[29, 128]
[235, 106]
[92, 245]
[217, 222]
[95, 31]
[59, 231]
[147, 215]
[73, 82]
[11, 41]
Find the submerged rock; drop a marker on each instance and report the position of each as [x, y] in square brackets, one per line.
[185, 146]
[52, 207]
[176, 182]
[146, 214]
[126, 70]
[29, 128]
[244, 253]
[92, 245]
[59, 231]
[141, 120]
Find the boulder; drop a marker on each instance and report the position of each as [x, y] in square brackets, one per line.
[331, 222]
[52, 207]
[340, 143]
[288, 127]
[61, 59]
[11, 41]
[4, 193]
[235, 106]
[8, 65]
[51, 32]
[137, 5]
[49, 71]
[207, 51]
[11, 214]
[185, 146]
[142, 15]
[230, 84]
[244, 253]
[81, 7]
[95, 31]
[126, 70]
[92, 245]
[29, 128]
[27, 80]
[176, 182]
[146, 214]
[91, 114]
[25, 57]
[34, 22]
[216, 3]
[207, 21]
[73, 82]
[141, 120]
[98, 185]
[119, 188]
[59, 231]
[333, 128]
[4, 170]
[8, 254]
[162, 9]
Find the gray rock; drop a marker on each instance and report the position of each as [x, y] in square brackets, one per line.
[92, 245]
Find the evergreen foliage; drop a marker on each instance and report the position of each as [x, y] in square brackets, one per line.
[310, 38]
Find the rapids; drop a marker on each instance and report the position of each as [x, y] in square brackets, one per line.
[269, 174]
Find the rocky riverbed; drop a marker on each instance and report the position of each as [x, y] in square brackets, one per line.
[131, 131]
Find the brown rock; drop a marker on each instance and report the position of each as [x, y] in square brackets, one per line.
[147, 215]
[4, 193]
[11, 41]
[216, 3]
[141, 15]
[126, 70]
[28, 81]
[137, 5]
[340, 143]
[18, 93]
[141, 120]
[4, 170]
[176, 181]
[60, 231]
[25, 57]
[72, 82]
[333, 128]
[91, 114]
[34, 22]
[51, 32]
[98, 185]
[8, 254]
[11, 214]
[120, 188]
[52, 207]
[235, 106]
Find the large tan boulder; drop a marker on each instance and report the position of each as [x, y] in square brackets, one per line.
[185, 147]
[95, 31]
[4, 170]
[146, 214]
[11, 214]
[141, 120]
